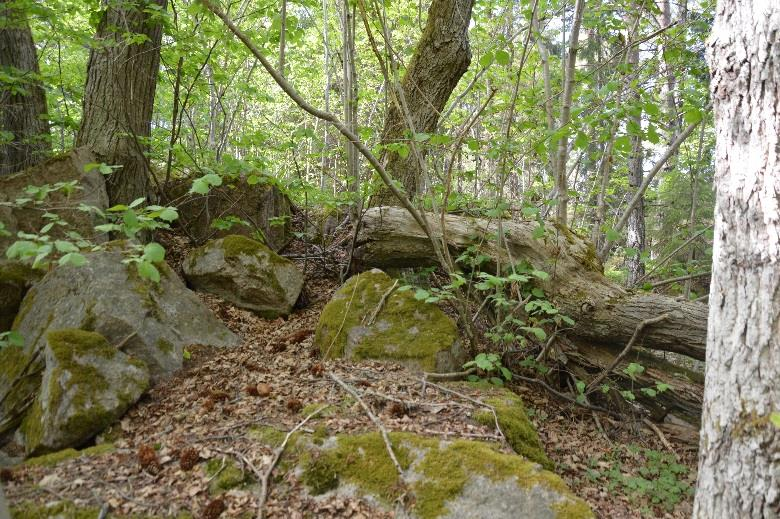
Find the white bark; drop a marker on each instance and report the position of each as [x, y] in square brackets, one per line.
[739, 458]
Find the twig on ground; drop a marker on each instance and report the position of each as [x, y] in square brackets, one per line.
[472, 400]
[637, 332]
[660, 435]
[449, 377]
[600, 427]
[124, 341]
[266, 476]
[353, 392]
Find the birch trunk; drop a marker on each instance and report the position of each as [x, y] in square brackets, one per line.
[739, 456]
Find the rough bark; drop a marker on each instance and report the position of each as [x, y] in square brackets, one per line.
[442, 56]
[23, 104]
[739, 455]
[605, 312]
[635, 232]
[119, 93]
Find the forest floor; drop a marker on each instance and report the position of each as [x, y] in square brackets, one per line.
[211, 408]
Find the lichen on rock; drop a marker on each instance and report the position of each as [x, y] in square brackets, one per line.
[86, 385]
[368, 318]
[246, 273]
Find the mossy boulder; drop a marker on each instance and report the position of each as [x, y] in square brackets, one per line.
[30, 217]
[246, 273]
[15, 279]
[368, 318]
[458, 479]
[155, 321]
[87, 384]
[255, 210]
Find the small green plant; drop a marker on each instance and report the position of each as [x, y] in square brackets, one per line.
[490, 367]
[41, 248]
[659, 481]
[11, 339]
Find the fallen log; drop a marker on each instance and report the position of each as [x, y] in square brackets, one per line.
[606, 313]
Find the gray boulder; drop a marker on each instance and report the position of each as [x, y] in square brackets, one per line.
[87, 384]
[154, 322]
[368, 318]
[246, 273]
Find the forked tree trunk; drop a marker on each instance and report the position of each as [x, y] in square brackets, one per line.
[119, 94]
[442, 56]
[23, 107]
[739, 455]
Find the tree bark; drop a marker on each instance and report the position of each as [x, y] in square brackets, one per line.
[605, 312]
[23, 111]
[442, 56]
[739, 455]
[119, 94]
[635, 232]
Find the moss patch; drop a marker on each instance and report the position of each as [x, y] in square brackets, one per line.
[441, 471]
[268, 435]
[514, 423]
[225, 474]
[448, 468]
[76, 379]
[358, 459]
[55, 458]
[236, 245]
[405, 329]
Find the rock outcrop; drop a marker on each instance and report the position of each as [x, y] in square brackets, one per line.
[368, 318]
[443, 479]
[86, 385]
[152, 321]
[246, 273]
[70, 166]
[264, 210]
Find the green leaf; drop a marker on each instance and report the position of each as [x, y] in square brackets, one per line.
[72, 258]
[486, 60]
[538, 232]
[580, 386]
[775, 419]
[169, 214]
[148, 271]
[65, 246]
[612, 235]
[421, 294]
[502, 57]
[154, 252]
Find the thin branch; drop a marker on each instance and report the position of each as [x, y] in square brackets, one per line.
[389, 446]
[637, 332]
[680, 278]
[266, 476]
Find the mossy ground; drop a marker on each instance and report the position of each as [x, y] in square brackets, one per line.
[225, 474]
[405, 328]
[50, 460]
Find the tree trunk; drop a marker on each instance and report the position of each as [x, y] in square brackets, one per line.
[23, 112]
[442, 56]
[119, 94]
[605, 312]
[635, 232]
[739, 455]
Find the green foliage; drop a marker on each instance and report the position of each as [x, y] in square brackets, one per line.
[489, 366]
[659, 481]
